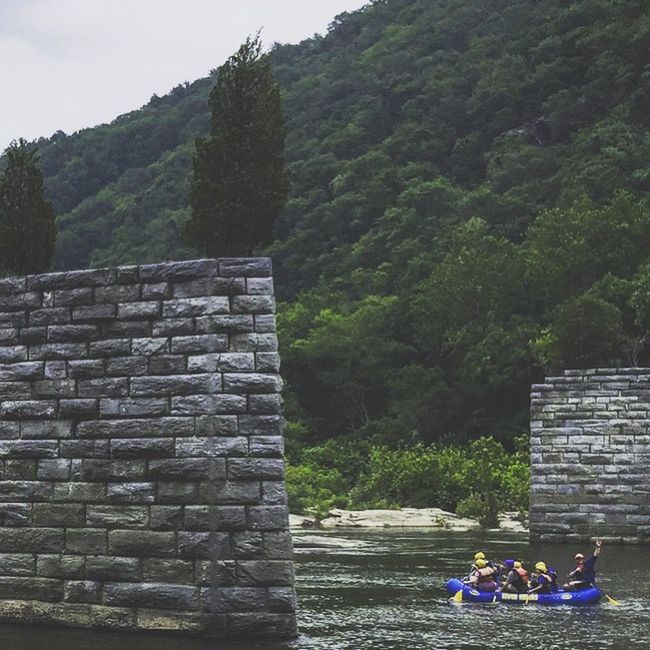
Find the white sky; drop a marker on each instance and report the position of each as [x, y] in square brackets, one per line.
[69, 64]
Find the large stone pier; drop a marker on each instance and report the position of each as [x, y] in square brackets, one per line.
[590, 456]
[141, 451]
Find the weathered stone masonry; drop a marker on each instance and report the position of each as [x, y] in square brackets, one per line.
[141, 450]
[590, 455]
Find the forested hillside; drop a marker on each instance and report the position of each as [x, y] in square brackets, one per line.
[469, 205]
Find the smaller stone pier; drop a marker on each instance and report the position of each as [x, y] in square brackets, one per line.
[590, 455]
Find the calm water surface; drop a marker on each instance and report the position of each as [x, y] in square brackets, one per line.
[385, 592]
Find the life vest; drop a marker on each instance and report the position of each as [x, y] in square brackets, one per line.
[486, 574]
[534, 580]
[522, 575]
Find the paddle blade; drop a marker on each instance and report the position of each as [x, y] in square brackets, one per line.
[610, 600]
[457, 597]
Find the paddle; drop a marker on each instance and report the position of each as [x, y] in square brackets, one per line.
[457, 597]
[610, 600]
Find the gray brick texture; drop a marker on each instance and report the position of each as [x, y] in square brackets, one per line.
[141, 451]
[590, 453]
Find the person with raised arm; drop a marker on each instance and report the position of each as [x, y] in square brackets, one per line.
[584, 575]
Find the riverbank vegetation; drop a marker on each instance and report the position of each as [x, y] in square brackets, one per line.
[478, 481]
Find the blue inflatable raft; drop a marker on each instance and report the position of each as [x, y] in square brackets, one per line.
[588, 596]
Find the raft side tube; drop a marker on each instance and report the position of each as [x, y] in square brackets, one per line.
[588, 596]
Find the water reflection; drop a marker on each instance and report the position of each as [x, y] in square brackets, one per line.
[385, 593]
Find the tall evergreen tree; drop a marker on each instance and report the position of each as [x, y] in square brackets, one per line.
[27, 228]
[240, 181]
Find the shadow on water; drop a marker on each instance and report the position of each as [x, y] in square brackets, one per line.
[384, 591]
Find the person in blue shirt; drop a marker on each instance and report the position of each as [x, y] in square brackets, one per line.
[584, 575]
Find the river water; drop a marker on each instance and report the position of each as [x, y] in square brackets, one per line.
[384, 591]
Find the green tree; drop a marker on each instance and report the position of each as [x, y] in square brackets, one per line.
[469, 317]
[586, 331]
[27, 227]
[571, 248]
[240, 182]
[350, 357]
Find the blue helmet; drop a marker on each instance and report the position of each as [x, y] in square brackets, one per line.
[509, 564]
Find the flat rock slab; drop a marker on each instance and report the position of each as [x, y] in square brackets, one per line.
[403, 518]
[406, 517]
[328, 541]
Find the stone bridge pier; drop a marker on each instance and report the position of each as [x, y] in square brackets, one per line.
[590, 456]
[142, 481]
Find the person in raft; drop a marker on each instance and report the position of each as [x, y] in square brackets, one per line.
[554, 576]
[477, 556]
[540, 581]
[516, 580]
[481, 556]
[584, 575]
[484, 577]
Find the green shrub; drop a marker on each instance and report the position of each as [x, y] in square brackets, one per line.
[477, 481]
[483, 507]
[401, 477]
[349, 457]
[315, 490]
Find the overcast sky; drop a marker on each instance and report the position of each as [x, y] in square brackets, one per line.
[69, 64]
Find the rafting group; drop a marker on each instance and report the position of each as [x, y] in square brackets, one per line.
[509, 581]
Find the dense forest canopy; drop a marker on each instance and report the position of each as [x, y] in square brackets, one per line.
[468, 206]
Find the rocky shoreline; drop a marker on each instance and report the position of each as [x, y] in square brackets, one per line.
[402, 518]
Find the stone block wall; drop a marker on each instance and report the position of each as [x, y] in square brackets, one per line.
[590, 455]
[142, 483]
